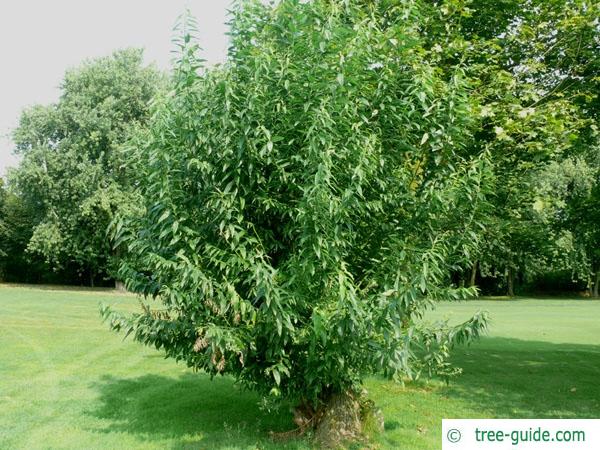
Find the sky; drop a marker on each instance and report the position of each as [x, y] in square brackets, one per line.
[40, 39]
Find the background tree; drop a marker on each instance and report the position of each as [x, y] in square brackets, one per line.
[536, 63]
[570, 55]
[17, 220]
[569, 195]
[72, 171]
[304, 205]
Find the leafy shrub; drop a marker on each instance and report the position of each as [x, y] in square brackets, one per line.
[304, 202]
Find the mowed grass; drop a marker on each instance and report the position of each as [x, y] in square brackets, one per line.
[68, 382]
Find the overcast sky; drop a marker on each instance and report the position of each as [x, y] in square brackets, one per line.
[40, 39]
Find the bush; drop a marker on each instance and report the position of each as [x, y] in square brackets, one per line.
[304, 202]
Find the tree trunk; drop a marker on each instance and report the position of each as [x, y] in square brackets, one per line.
[596, 283]
[346, 417]
[511, 282]
[473, 274]
[91, 279]
[120, 286]
[340, 421]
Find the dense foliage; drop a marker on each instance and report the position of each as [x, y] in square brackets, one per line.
[532, 69]
[536, 68]
[305, 203]
[72, 174]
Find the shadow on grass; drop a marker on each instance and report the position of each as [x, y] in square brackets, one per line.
[190, 411]
[512, 378]
[504, 378]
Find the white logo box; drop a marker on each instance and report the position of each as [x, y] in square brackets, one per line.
[521, 434]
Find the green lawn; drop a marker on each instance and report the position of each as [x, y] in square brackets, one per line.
[67, 382]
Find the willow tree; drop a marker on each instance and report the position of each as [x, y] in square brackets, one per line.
[304, 204]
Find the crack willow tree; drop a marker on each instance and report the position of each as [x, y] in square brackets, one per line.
[305, 204]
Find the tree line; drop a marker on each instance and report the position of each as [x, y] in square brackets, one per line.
[530, 70]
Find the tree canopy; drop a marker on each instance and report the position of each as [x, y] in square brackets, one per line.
[305, 202]
[72, 172]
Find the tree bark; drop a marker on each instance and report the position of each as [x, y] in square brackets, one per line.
[595, 293]
[340, 421]
[120, 286]
[511, 282]
[344, 418]
[473, 278]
